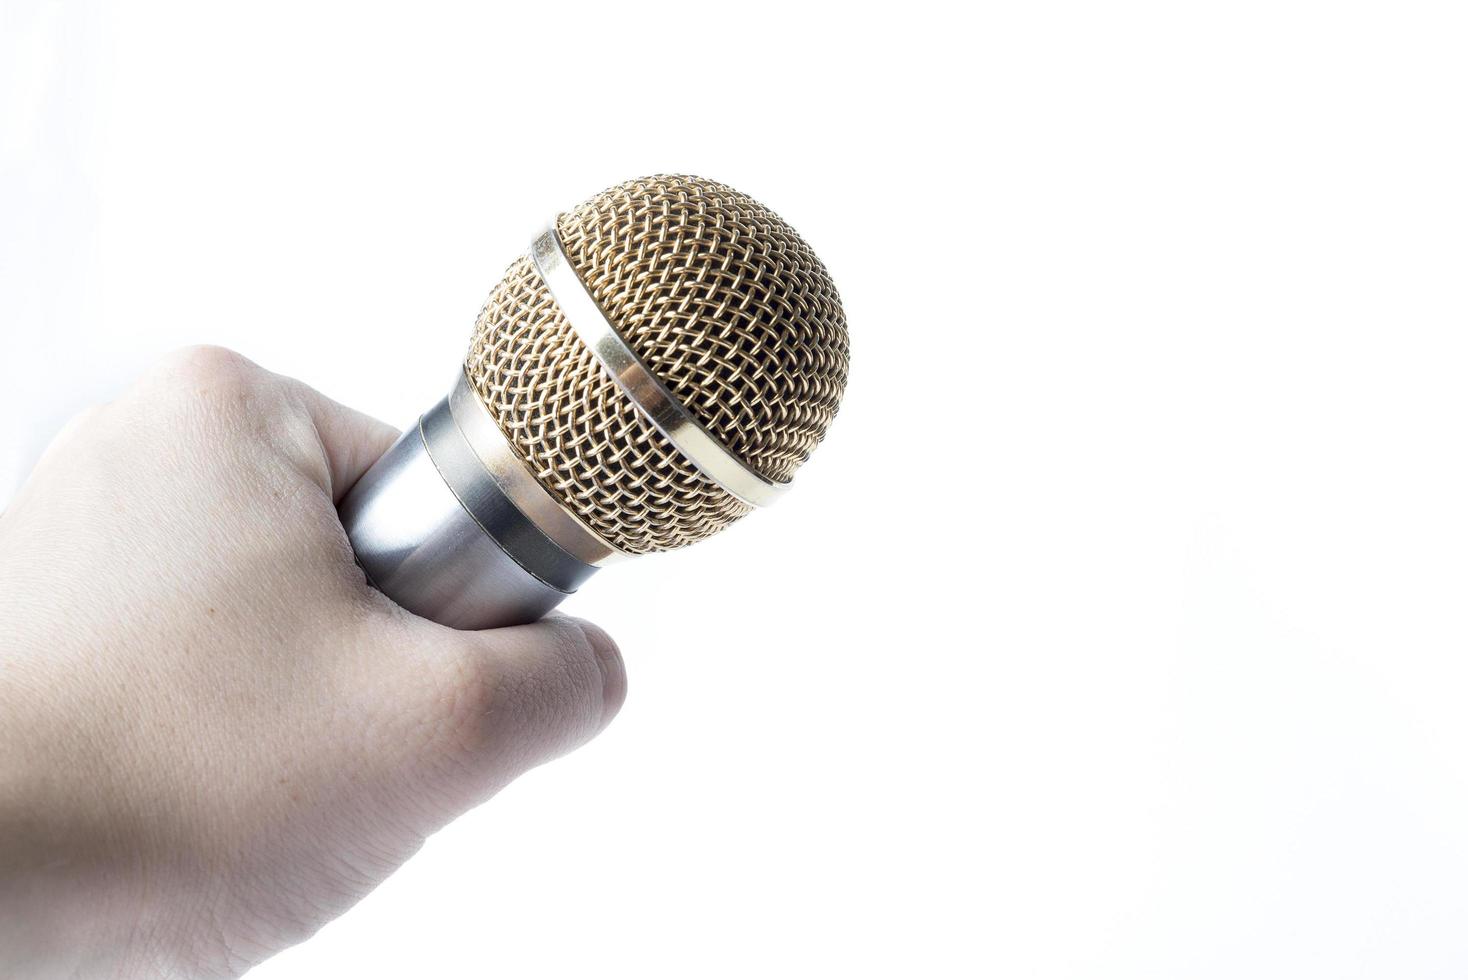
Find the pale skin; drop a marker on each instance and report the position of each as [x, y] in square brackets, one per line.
[215, 736]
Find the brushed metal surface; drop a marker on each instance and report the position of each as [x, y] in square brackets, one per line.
[420, 546]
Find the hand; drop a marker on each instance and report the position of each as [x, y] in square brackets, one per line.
[214, 735]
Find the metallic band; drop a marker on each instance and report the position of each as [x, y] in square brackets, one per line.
[492, 509]
[632, 376]
[418, 542]
[558, 523]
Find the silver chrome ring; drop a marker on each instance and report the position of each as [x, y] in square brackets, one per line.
[506, 469]
[664, 411]
[419, 544]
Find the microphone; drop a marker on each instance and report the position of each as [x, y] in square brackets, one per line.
[657, 365]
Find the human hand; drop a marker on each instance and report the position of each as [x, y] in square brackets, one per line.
[214, 735]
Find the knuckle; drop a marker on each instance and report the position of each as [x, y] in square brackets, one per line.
[469, 699]
[584, 680]
[205, 370]
[572, 642]
[602, 650]
[545, 703]
[204, 361]
[201, 387]
[575, 659]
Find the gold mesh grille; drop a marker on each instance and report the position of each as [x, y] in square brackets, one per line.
[580, 435]
[726, 305]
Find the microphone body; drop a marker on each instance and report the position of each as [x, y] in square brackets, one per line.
[655, 367]
[435, 531]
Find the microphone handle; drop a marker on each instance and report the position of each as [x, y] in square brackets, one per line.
[436, 533]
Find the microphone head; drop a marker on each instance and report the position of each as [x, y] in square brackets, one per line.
[722, 302]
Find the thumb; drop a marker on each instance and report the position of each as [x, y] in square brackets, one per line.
[510, 699]
[351, 440]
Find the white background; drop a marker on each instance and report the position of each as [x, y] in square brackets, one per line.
[1117, 629]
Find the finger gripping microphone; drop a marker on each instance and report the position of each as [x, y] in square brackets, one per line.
[658, 364]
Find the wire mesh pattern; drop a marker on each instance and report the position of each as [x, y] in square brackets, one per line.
[721, 300]
[579, 434]
[725, 304]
